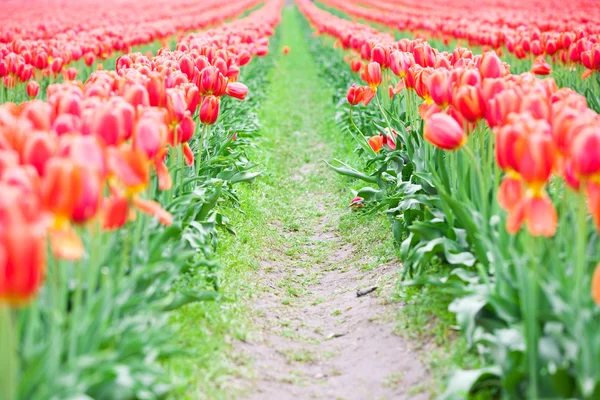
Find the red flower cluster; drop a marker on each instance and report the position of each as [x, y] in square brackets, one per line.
[44, 37]
[541, 131]
[532, 29]
[59, 158]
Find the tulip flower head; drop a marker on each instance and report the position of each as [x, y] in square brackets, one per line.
[444, 132]
[357, 202]
[376, 143]
[540, 66]
[33, 88]
[372, 75]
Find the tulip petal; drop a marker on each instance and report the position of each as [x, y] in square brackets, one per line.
[154, 209]
[541, 216]
[189, 155]
[66, 244]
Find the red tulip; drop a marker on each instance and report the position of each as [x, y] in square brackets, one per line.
[355, 65]
[355, 94]
[22, 250]
[443, 131]
[540, 66]
[237, 90]
[372, 75]
[33, 88]
[209, 111]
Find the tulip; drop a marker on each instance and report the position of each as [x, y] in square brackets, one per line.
[285, 50]
[209, 111]
[469, 101]
[372, 75]
[376, 143]
[537, 212]
[116, 212]
[130, 167]
[237, 90]
[490, 66]
[355, 65]
[400, 62]
[357, 202]
[439, 88]
[443, 131]
[61, 187]
[380, 55]
[22, 251]
[510, 191]
[541, 67]
[585, 148]
[33, 88]
[70, 74]
[355, 94]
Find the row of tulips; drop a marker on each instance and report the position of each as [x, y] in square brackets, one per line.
[512, 173]
[75, 171]
[531, 30]
[35, 47]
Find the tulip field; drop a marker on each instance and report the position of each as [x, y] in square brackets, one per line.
[179, 179]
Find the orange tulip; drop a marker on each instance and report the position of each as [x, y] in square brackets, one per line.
[443, 131]
[286, 50]
[376, 143]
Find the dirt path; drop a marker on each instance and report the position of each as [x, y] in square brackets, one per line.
[312, 336]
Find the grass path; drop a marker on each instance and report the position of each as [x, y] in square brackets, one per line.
[302, 258]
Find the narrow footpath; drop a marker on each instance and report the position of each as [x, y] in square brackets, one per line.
[310, 335]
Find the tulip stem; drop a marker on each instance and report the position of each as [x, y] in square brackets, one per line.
[482, 189]
[8, 355]
[580, 264]
[200, 149]
[363, 144]
[387, 121]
